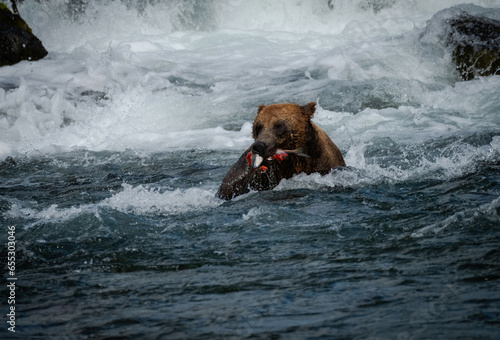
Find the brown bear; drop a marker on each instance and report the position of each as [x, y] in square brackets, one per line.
[286, 143]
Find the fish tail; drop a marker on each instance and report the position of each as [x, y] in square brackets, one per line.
[300, 153]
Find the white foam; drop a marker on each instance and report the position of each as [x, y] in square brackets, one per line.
[252, 214]
[359, 18]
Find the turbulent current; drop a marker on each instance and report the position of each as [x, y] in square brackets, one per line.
[113, 146]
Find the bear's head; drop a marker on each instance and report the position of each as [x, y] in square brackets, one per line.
[281, 126]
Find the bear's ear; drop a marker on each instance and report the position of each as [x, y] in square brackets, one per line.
[261, 107]
[309, 109]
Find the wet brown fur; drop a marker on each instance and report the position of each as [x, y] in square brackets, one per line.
[286, 127]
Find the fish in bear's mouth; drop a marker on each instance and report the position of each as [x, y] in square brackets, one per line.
[255, 160]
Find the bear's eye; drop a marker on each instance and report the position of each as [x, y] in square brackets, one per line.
[257, 129]
[280, 128]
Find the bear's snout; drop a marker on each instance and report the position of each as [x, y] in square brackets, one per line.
[259, 148]
[258, 151]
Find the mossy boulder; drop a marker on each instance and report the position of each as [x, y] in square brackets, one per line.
[476, 45]
[17, 42]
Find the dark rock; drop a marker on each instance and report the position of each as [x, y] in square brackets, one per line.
[17, 42]
[469, 35]
[9, 162]
[476, 45]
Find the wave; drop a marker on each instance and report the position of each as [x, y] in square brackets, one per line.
[485, 214]
[138, 200]
[142, 200]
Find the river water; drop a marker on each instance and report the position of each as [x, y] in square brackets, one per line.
[112, 149]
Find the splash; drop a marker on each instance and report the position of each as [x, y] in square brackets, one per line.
[184, 74]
